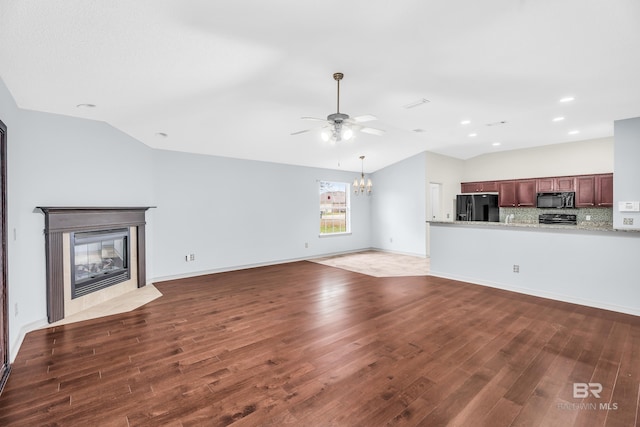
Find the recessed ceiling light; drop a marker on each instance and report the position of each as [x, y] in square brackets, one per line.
[161, 135]
[567, 99]
[465, 122]
[416, 103]
[558, 119]
[86, 106]
[472, 135]
[496, 144]
[574, 132]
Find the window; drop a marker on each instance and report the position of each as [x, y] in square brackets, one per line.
[334, 208]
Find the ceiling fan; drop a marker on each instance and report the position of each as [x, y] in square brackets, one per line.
[339, 126]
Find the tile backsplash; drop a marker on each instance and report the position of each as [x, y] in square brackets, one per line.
[598, 217]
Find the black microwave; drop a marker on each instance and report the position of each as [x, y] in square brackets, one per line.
[564, 199]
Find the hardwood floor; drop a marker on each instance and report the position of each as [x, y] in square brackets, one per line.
[304, 344]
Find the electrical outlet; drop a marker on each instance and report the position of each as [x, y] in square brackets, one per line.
[192, 257]
[588, 217]
[516, 268]
[627, 221]
[390, 239]
[306, 244]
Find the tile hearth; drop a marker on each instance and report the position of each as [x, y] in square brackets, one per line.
[121, 304]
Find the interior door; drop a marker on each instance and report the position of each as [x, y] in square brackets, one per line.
[4, 329]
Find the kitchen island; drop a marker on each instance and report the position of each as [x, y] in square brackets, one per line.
[596, 266]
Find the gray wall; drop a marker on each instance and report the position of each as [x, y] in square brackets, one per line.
[599, 269]
[234, 213]
[399, 207]
[626, 177]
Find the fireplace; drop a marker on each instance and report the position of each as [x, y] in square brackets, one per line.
[99, 259]
[93, 254]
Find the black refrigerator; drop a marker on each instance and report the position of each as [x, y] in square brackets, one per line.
[477, 207]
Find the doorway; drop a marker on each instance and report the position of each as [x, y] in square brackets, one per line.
[4, 297]
[435, 198]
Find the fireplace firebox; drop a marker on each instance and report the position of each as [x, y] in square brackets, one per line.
[99, 259]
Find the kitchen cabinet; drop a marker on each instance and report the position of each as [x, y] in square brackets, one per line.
[604, 190]
[517, 193]
[594, 191]
[562, 183]
[506, 194]
[479, 187]
[591, 190]
[585, 191]
[526, 192]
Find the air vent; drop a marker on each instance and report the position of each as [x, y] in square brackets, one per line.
[503, 122]
[416, 103]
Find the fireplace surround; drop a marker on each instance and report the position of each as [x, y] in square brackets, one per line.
[124, 228]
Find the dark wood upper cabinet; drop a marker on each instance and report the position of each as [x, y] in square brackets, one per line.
[585, 191]
[479, 187]
[591, 190]
[544, 185]
[517, 193]
[507, 194]
[526, 193]
[562, 183]
[565, 183]
[604, 190]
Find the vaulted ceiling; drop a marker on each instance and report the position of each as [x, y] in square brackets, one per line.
[234, 78]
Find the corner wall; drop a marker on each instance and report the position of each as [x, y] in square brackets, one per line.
[398, 207]
[55, 160]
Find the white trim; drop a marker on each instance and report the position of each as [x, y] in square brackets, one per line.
[247, 266]
[400, 252]
[24, 330]
[536, 293]
[344, 233]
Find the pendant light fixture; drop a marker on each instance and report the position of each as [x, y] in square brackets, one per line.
[359, 186]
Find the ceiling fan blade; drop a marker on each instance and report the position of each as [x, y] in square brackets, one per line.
[313, 118]
[365, 118]
[373, 131]
[300, 131]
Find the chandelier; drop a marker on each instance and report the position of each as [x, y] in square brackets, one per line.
[359, 186]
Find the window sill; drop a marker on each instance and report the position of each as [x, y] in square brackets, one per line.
[335, 234]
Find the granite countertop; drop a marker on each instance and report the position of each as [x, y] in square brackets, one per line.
[582, 227]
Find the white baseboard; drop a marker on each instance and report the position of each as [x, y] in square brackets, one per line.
[15, 346]
[247, 266]
[536, 293]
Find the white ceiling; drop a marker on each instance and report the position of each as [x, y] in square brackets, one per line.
[234, 78]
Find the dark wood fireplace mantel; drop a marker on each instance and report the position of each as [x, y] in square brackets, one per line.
[60, 220]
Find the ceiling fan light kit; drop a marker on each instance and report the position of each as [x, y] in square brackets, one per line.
[341, 127]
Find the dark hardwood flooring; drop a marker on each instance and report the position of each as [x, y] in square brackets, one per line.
[304, 344]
